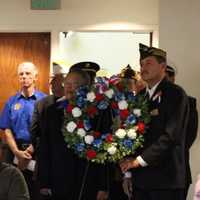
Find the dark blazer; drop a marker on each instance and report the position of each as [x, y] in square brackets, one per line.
[165, 140]
[192, 123]
[192, 129]
[59, 168]
[38, 117]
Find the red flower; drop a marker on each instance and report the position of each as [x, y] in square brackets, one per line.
[109, 138]
[141, 127]
[91, 111]
[119, 86]
[99, 97]
[124, 113]
[97, 134]
[80, 124]
[114, 105]
[91, 154]
[69, 108]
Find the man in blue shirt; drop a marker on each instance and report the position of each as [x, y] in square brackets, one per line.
[16, 117]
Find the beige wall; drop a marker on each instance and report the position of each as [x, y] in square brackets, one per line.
[121, 15]
[180, 35]
[75, 14]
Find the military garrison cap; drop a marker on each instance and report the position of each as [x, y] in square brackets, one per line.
[170, 71]
[146, 51]
[128, 73]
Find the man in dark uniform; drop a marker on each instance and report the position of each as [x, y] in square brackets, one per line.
[159, 168]
[41, 107]
[57, 88]
[60, 170]
[192, 126]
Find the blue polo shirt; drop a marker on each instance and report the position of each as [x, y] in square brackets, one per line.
[17, 114]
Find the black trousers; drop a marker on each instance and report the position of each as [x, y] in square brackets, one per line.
[167, 194]
[116, 191]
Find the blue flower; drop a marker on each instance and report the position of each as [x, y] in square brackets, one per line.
[131, 119]
[101, 80]
[119, 96]
[103, 136]
[80, 147]
[87, 124]
[80, 102]
[128, 143]
[97, 143]
[102, 105]
[131, 96]
[82, 91]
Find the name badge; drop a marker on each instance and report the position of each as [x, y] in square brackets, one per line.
[17, 106]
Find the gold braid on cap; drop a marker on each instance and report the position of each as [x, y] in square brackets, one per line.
[128, 73]
[88, 68]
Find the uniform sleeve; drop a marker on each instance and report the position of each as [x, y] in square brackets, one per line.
[18, 189]
[174, 133]
[192, 127]
[44, 159]
[5, 121]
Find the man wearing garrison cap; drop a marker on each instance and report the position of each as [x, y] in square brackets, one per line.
[170, 73]
[159, 169]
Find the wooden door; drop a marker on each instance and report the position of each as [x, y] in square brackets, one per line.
[16, 48]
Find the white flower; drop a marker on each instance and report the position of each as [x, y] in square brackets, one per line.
[120, 133]
[89, 139]
[111, 150]
[137, 112]
[109, 93]
[81, 132]
[132, 133]
[91, 96]
[71, 126]
[76, 112]
[122, 105]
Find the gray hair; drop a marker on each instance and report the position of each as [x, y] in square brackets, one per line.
[30, 65]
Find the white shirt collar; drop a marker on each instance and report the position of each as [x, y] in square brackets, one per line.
[152, 90]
